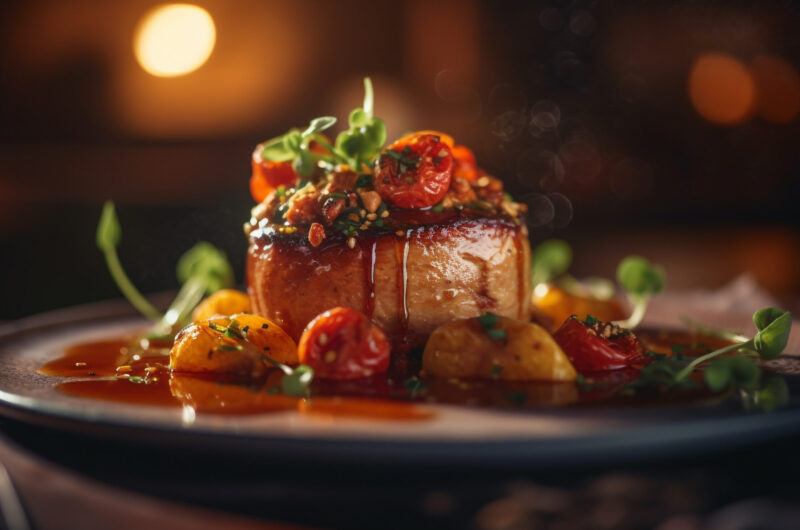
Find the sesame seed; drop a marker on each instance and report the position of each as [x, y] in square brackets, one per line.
[330, 356]
[483, 182]
[150, 369]
[363, 212]
[372, 216]
[323, 339]
[443, 153]
[351, 242]
[385, 213]
[80, 364]
[124, 368]
[364, 226]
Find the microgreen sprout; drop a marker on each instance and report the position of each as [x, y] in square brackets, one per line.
[740, 370]
[550, 259]
[641, 280]
[362, 141]
[109, 235]
[203, 269]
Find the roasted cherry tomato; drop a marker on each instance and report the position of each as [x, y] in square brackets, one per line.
[446, 138]
[343, 344]
[268, 175]
[414, 172]
[596, 346]
[465, 165]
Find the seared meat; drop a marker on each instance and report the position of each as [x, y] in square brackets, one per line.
[409, 281]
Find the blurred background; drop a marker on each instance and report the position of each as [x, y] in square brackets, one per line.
[669, 130]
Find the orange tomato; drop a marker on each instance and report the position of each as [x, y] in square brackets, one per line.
[465, 165]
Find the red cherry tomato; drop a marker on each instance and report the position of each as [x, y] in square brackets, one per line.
[268, 175]
[343, 344]
[589, 351]
[465, 165]
[414, 172]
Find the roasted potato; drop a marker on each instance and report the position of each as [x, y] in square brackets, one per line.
[501, 348]
[222, 303]
[199, 348]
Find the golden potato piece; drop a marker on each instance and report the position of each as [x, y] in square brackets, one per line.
[520, 351]
[200, 349]
[559, 305]
[222, 303]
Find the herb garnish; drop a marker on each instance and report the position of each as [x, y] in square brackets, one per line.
[415, 385]
[550, 259]
[489, 321]
[203, 269]
[295, 382]
[739, 370]
[640, 279]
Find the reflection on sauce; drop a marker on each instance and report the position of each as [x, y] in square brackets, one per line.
[116, 370]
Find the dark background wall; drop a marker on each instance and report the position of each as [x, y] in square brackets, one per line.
[584, 108]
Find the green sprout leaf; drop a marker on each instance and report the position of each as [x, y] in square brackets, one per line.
[641, 280]
[205, 261]
[109, 232]
[298, 381]
[739, 369]
[363, 140]
[639, 277]
[318, 125]
[550, 259]
[108, 237]
[773, 326]
[368, 97]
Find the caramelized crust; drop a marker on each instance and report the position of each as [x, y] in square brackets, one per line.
[409, 281]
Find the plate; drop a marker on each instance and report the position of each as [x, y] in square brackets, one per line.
[453, 436]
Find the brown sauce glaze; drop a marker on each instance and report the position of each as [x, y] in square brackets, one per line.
[369, 247]
[146, 380]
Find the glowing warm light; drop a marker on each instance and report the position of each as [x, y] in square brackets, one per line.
[778, 88]
[722, 89]
[174, 39]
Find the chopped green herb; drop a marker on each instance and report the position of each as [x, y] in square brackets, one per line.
[229, 347]
[497, 334]
[488, 320]
[415, 385]
[438, 208]
[496, 371]
[590, 320]
[136, 379]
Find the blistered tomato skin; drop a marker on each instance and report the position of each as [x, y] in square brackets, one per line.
[268, 175]
[414, 172]
[589, 351]
[344, 344]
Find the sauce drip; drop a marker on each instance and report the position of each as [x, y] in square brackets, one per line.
[369, 250]
[401, 249]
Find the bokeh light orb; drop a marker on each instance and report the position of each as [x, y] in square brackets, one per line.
[174, 39]
[722, 89]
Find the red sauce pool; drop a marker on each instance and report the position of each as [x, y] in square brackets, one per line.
[117, 370]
